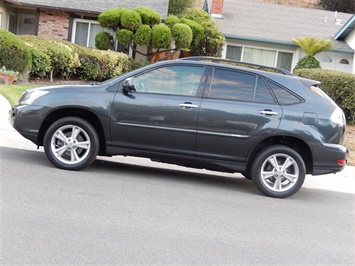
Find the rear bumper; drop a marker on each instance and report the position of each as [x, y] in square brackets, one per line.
[327, 157]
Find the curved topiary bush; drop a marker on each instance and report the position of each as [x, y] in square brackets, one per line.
[182, 35]
[124, 36]
[111, 18]
[161, 36]
[338, 85]
[308, 62]
[148, 16]
[143, 35]
[14, 54]
[171, 20]
[104, 41]
[131, 20]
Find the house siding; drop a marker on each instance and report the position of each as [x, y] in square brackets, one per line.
[54, 24]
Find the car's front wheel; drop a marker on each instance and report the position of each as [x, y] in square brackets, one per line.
[278, 171]
[71, 143]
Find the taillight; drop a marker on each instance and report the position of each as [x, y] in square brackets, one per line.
[342, 161]
[338, 117]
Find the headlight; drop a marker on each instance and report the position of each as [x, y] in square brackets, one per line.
[29, 96]
[338, 117]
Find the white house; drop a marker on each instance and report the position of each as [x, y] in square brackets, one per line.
[262, 33]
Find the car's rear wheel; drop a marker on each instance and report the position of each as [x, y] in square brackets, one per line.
[278, 171]
[71, 143]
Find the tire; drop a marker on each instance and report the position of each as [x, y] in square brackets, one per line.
[278, 171]
[71, 143]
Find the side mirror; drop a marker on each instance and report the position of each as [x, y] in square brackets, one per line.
[128, 85]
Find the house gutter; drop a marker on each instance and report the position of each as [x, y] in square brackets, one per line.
[18, 3]
[242, 38]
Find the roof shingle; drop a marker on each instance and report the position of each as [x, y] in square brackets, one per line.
[278, 23]
[98, 6]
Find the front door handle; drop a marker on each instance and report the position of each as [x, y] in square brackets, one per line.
[268, 112]
[188, 105]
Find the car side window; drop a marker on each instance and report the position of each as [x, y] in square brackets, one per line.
[232, 85]
[284, 97]
[175, 80]
[263, 93]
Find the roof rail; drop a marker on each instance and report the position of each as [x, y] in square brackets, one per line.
[238, 63]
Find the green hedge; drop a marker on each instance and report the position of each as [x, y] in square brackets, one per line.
[339, 86]
[14, 54]
[65, 60]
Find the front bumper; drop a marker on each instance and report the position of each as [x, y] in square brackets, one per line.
[27, 120]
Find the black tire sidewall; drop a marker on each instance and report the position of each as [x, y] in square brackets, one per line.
[262, 156]
[94, 147]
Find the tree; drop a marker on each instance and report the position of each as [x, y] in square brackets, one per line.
[211, 41]
[311, 46]
[142, 26]
[180, 7]
[347, 6]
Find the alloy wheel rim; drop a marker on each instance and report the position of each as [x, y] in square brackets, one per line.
[279, 172]
[70, 144]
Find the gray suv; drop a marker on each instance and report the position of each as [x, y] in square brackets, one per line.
[274, 128]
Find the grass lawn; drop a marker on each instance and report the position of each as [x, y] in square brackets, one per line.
[13, 93]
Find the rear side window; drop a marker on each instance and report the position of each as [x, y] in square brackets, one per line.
[283, 96]
[232, 85]
[262, 93]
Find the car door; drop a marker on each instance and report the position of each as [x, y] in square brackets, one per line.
[161, 115]
[236, 110]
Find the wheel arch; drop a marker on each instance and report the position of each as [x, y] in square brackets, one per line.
[87, 115]
[300, 146]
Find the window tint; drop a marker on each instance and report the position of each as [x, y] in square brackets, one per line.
[283, 96]
[262, 93]
[232, 85]
[178, 80]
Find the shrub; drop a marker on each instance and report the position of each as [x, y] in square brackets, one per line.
[104, 41]
[131, 20]
[148, 16]
[161, 36]
[183, 35]
[111, 18]
[339, 86]
[308, 62]
[124, 36]
[14, 54]
[171, 20]
[143, 35]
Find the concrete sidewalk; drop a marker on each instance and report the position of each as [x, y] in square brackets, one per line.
[343, 181]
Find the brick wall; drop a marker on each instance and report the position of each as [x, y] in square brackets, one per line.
[217, 7]
[54, 24]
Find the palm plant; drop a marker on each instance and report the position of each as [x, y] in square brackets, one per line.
[311, 46]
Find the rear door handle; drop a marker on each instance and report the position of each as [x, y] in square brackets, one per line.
[188, 105]
[268, 112]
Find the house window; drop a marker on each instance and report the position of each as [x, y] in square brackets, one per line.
[344, 62]
[12, 23]
[234, 52]
[327, 59]
[266, 57]
[84, 32]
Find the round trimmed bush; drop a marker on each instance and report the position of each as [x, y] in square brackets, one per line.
[14, 54]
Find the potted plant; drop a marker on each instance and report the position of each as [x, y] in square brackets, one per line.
[7, 76]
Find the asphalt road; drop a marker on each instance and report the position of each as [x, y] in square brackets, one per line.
[132, 211]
